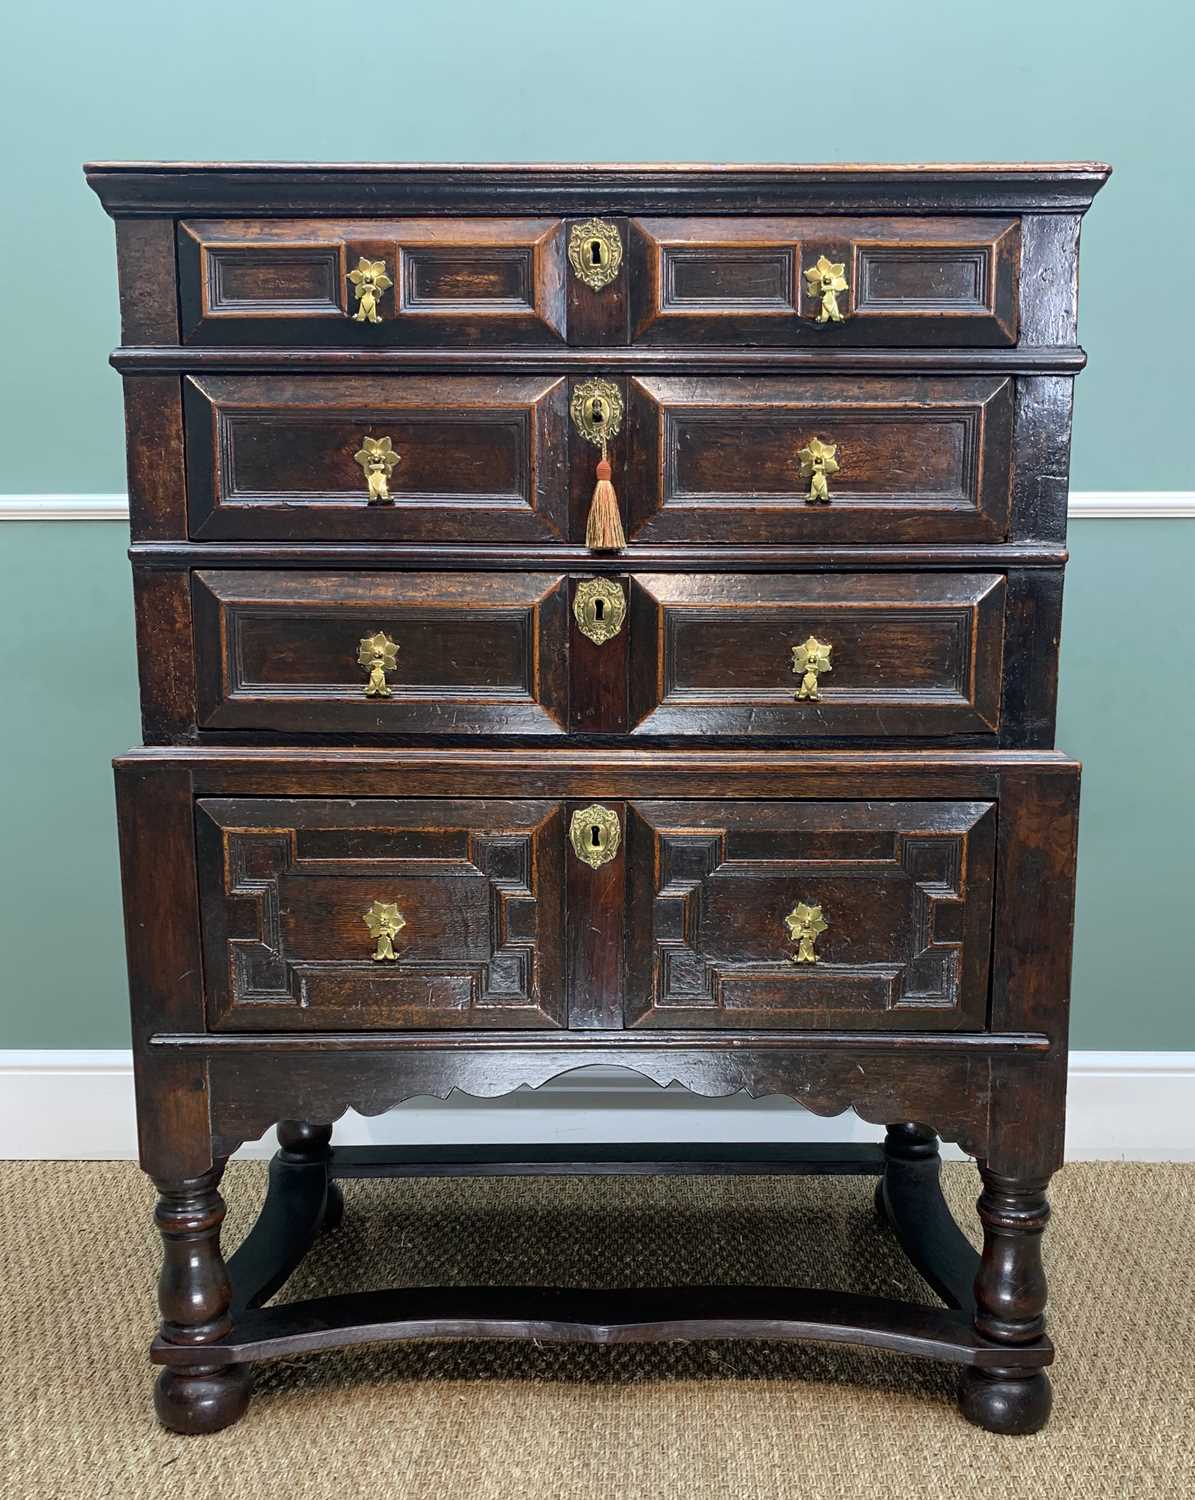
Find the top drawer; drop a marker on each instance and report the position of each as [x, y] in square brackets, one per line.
[492, 282]
[421, 282]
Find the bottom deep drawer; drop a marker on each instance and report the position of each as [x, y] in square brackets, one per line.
[354, 914]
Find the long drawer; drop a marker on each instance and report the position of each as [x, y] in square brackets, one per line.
[497, 459]
[371, 913]
[486, 281]
[767, 657]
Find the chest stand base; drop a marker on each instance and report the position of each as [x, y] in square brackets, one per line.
[205, 1384]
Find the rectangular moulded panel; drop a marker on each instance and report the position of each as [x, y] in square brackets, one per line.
[476, 458]
[452, 282]
[472, 653]
[720, 459]
[916, 281]
[910, 654]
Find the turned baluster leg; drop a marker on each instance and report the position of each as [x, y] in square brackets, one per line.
[303, 1143]
[194, 1295]
[906, 1142]
[1010, 1298]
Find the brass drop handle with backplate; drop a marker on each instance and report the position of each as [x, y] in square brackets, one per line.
[377, 457]
[385, 922]
[825, 279]
[805, 925]
[818, 461]
[378, 654]
[810, 659]
[369, 281]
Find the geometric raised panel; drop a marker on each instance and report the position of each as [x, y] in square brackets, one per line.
[905, 887]
[285, 883]
[914, 654]
[717, 459]
[463, 282]
[476, 653]
[480, 458]
[741, 280]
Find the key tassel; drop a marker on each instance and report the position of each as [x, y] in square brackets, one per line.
[603, 530]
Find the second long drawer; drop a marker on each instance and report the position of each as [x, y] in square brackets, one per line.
[790, 656]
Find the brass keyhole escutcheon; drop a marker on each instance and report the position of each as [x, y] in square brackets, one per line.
[595, 253]
[596, 409]
[595, 834]
[599, 608]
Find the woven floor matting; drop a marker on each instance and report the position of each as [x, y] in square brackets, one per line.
[503, 1421]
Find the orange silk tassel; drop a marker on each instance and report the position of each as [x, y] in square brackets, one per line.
[603, 530]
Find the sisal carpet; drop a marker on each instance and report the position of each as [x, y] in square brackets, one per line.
[756, 1421]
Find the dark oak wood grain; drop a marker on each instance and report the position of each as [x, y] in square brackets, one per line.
[480, 459]
[718, 459]
[916, 800]
[459, 281]
[476, 653]
[909, 280]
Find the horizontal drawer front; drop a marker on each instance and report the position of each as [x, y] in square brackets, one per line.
[359, 914]
[937, 281]
[729, 459]
[749, 656]
[461, 900]
[493, 282]
[893, 655]
[453, 653]
[474, 458]
[451, 282]
[716, 892]
[477, 459]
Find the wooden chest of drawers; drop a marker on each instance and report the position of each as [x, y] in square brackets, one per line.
[435, 795]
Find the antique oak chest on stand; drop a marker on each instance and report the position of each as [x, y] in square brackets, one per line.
[598, 615]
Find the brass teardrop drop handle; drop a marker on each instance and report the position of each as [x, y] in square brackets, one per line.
[810, 659]
[385, 922]
[378, 654]
[805, 925]
[369, 281]
[377, 457]
[825, 280]
[818, 461]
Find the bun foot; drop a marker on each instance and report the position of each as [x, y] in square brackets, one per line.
[881, 1210]
[200, 1403]
[1006, 1402]
[333, 1208]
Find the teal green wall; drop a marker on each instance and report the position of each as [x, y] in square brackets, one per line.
[668, 79]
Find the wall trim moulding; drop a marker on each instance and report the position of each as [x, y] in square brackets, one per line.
[1134, 1106]
[1085, 505]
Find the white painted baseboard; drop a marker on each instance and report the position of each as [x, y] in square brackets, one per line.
[1139, 1106]
[1101, 505]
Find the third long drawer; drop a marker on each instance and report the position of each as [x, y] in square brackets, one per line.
[788, 656]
